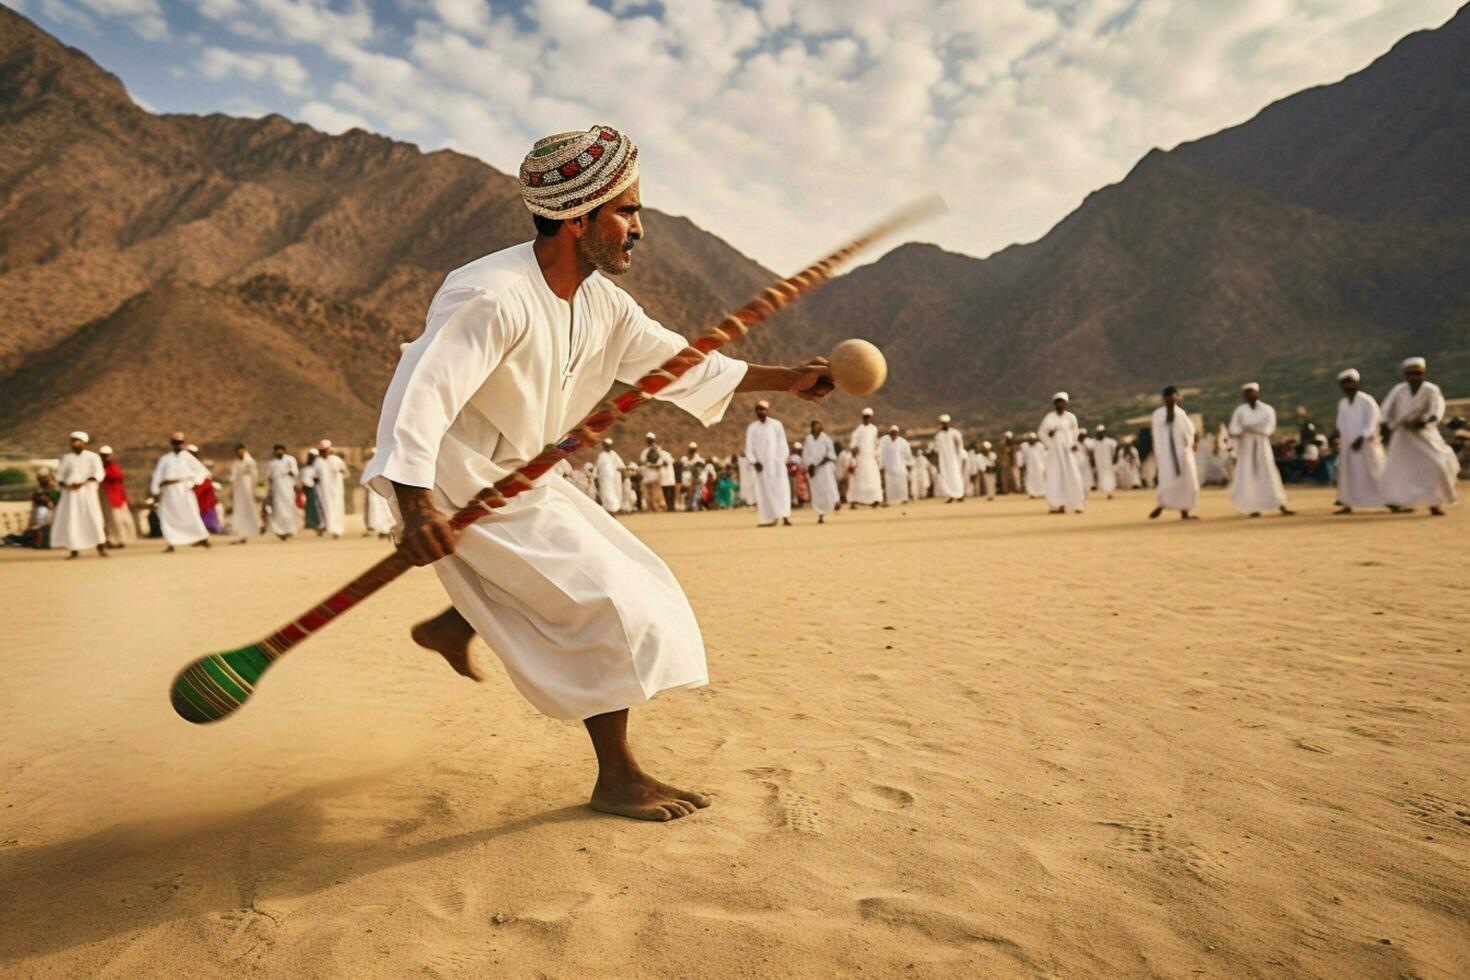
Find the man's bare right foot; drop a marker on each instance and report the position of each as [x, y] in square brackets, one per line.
[642, 797]
[449, 636]
[1155, 512]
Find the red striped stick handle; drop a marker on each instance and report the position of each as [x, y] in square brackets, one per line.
[604, 417]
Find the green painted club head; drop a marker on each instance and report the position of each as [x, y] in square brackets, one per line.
[216, 684]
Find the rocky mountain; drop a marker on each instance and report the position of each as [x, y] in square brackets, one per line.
[1334, 227]
[251, 278]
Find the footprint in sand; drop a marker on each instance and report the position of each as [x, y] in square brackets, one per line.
[448, 900]
[879, 797]
[1148, 835]
[897, 912]
[1437, 812]
[1379, 735]
[458, 959]
[791, 810]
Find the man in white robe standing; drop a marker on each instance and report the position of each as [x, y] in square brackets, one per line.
[1127, 469]
[282, 474]
[377, 518]
[1360, 458]
[819, 456]
[174, 478]
[896, 460]
[865, 485]
[691, 469]
[244, 520]
[921, 478]
[648, 469]
[586, 619]
[1256, 484]
[989, 463]
[1104, 452]
[78, 524]
[329, 472]
[610, 478]
[1085, 445]
[765, 447]
[1034, 465]
[1174, 446]
[1420, 468]
[746, 476]
[949, 445]
[1064, 482]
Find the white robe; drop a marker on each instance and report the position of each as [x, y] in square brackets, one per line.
[1127, 470]
[243, 518]
[895, 458]
[328, 471]
[747, 482]
[281, 474]
[921, 477]
[818, 452]
[1102, 461]
[1256, 485]
[178, 508]
[1035, 455]
[78, 525]
[610, 480]
[865, 486]
[1085, 445]
[1178, 487]
[950, 481]
[765, 443]
[1420, 468]
[1065, 485]
[1359, 471]
[585, 618]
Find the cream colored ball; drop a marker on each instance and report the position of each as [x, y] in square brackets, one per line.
[858, 367]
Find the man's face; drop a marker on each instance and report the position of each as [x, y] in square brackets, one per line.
[606, 242]
[816, 428]
[1060, 405]
[76, 445]
[1251, 396]
[176, 444]
[1171, 399]
[761, 412]
[1414, 375]
[1348, 385]
[279, 451]
[240, 452]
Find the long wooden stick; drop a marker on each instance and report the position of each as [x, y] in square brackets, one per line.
[216, 684]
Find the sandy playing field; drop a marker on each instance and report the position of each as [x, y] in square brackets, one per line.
[952, 741]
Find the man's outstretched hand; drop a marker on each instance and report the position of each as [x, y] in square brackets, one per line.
[813, 380]
[427, 534]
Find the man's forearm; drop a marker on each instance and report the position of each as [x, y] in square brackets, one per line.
[766, 377]
[413, 500]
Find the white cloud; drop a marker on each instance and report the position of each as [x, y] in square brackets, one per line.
[329, 119]
[145, 17]
[284, 71]
[783, 125]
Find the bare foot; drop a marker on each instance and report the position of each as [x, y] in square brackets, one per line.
[642, 797]
[1155, 513]
[449, 636]
[1288, 512]
[1341, 511]
[1436, 512]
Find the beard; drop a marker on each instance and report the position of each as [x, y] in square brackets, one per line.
[605, 256]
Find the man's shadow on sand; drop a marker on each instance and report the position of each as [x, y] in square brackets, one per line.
[141, 875]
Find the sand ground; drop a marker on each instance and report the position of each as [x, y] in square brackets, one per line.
[951, 741]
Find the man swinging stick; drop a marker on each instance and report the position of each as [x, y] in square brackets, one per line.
[517, 346]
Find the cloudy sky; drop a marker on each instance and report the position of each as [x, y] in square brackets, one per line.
[779, 125]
